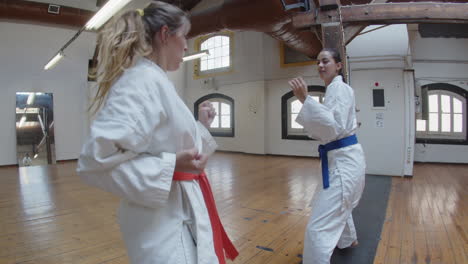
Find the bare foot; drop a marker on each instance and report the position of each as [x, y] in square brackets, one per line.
[353, 245]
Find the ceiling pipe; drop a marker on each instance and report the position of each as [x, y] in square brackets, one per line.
[255, 15]
[34, 12]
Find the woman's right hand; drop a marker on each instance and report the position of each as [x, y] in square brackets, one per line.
[206, 113]
[299, 88]
[190, 160]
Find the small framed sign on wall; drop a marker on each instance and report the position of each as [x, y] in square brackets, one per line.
[378, 96]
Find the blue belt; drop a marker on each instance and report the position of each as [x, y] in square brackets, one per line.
[323, 149]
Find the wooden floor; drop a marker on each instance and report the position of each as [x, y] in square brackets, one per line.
[47, 216]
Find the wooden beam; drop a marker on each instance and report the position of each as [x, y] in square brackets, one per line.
[352, 31]
[402, 13]
[390, 13]
[332, 31]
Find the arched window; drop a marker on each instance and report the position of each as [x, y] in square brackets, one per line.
[223, 123]
[290, 108]
[219, 59]
[445, 119]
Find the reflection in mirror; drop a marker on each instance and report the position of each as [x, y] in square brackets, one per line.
[35, 144]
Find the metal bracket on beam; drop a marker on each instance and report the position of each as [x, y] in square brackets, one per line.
[301, 4]
[326, 5]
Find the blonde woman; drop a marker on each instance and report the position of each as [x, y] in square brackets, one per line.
[146, 147]
[343, 163]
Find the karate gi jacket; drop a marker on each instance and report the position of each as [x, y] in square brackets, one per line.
[131, 152]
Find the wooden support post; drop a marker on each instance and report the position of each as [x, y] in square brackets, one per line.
[333, 34]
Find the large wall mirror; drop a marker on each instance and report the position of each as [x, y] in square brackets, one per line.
[35, 144]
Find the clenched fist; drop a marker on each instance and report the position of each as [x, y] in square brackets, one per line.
[206, 113]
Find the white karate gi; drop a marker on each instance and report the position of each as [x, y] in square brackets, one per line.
[131, 153]
[331, 223]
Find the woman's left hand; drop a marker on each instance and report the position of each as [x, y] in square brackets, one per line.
[299, 88]
[206, 113]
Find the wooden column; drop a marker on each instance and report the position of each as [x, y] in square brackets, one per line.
[332, 31]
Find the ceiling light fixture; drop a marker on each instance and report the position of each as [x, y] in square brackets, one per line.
[23, 119]
[31, 98]
[105, 13]
[53, 61]
[196, 55]
[99, 19]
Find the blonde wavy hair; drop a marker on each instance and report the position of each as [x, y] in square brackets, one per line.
[129, 37]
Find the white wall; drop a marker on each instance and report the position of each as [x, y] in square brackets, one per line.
[440, 60]
[23, 55]
[383, 146]
[276, 86]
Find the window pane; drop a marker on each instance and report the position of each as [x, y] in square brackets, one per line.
[217, 52]
[209, 43]
[420, 125]
[225, 51]
[296, 106]
[316, 98]
[225, 62]
[294, 124]
[216, 107]
[217, 41]
[210, 64]
[433, 122]
[457, 106]
[215, 123]
[225, 41]
[457, 123]
[217, 62]
[226, 121]
[445, 102]
[203, 65]
[225, 109]
[446, 123]
[433, 104]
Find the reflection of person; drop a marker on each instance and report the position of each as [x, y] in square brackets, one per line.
[343, 164]
[27, 160]
[146, 147]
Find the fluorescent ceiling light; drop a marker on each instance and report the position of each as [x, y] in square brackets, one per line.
[196, 55]
[35, 155]
[31, 98]
[105, 13]
[23, 119]
[54, 61]
[29, 110]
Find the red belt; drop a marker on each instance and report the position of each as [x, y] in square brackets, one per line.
[220, 238]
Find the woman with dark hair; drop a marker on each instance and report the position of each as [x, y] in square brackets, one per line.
[146, 147]
[334, 124]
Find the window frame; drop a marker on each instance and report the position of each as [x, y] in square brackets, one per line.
[287, 132]
[197, 73]
[450, 138]
[218, 132]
